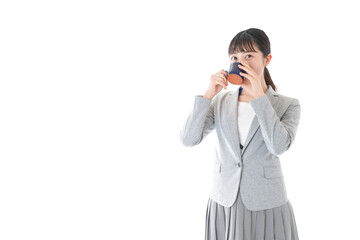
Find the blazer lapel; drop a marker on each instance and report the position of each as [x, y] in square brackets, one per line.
[232, 119]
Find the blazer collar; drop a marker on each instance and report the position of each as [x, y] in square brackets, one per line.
[232, 118]
[270, 93]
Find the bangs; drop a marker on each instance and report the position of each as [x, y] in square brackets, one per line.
[241, 43]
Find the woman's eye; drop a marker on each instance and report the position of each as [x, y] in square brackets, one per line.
[249, 56]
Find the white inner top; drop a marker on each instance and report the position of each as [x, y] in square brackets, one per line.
[245, 116]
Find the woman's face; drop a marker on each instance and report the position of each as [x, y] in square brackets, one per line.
[254, 59]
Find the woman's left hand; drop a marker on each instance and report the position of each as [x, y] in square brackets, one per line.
[252, 81]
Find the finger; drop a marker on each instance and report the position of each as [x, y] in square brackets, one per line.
[247, 76]
[219, 81]
[223, 78]
[247, 69]
[249, 73]
[224, 74]
[246, 66]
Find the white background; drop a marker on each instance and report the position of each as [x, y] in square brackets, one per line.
[93, 95]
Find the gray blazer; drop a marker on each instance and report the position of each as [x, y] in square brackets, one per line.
[271, 133]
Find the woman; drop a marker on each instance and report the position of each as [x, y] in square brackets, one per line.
[254, 125]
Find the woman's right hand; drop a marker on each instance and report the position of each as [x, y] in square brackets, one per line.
[218, 81]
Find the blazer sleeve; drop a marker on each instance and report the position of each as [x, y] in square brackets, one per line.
[278, 134]
[199, 123]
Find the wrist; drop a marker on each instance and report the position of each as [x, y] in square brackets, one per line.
[208, 96]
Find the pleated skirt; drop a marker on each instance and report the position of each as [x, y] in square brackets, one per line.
[239, 223]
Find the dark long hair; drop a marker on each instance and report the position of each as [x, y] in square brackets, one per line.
[244, 40]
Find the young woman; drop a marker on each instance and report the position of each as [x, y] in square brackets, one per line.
[254, 124]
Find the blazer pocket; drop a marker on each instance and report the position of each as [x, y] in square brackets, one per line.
[273, 172]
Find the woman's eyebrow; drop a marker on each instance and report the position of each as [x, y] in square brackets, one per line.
[244, 52]
[248, 51]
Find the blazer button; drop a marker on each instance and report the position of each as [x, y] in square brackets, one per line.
[239, 164]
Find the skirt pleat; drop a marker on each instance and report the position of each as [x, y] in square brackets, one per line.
[239, 223]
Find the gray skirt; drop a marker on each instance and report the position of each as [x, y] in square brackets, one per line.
[239, 223]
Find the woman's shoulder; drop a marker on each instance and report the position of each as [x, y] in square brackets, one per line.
[286, 98]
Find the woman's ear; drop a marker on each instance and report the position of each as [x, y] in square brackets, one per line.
[267, 60]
